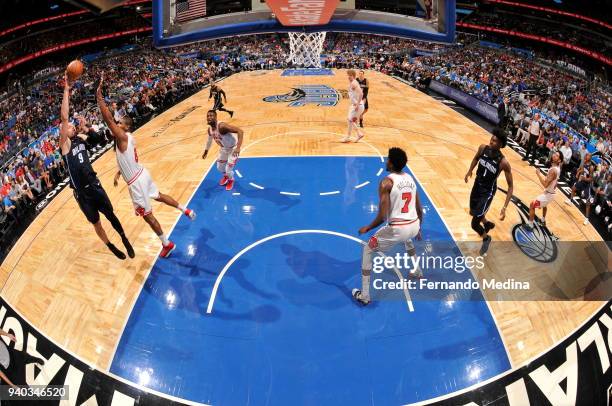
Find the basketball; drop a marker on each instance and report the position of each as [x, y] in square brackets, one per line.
[75, 70]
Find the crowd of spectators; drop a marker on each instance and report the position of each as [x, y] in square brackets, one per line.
[146, 81]
[490, 75]
[48, 38]
[339, 50]
[544, 28]
[369, 51]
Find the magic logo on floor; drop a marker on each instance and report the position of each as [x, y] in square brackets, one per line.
[319, 95]
[538, 244]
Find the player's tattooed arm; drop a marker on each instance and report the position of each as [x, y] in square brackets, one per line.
[474, 163]
[116, 131]
[224, 128]
[505, 165]
[384, 191]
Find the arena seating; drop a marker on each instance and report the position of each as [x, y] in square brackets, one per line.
[592, 37]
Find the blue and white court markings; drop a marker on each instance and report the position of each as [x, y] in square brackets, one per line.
[308, 72]
[254, 306]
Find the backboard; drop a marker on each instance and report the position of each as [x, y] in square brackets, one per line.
[177, 22]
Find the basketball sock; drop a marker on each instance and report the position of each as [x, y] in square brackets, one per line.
[163, 239]
[365, 287]
[115, 250]
[181, 208]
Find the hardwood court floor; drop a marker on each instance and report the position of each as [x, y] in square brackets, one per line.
[63, 279]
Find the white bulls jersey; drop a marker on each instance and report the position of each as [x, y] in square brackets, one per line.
[403, 198]
[227, 140]
[128, 161]
[353, 93]
[553, 185]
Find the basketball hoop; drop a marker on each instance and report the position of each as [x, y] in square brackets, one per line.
[306, 48]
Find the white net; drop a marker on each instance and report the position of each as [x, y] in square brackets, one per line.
[306, 48]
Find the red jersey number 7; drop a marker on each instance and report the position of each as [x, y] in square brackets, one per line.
[407, 197]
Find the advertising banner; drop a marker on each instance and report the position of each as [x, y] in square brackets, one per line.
[303, 12]
[484, 109]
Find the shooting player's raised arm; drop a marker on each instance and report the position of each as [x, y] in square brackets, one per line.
[107, 116]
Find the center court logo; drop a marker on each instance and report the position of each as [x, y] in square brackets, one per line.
[539, 244]
[319, 95]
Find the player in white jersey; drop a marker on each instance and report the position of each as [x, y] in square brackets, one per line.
[141, 186]
[400, 207]
[229, 138]
[356, 107]
[550, 185]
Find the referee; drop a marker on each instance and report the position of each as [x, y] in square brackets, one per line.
[88, 191]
